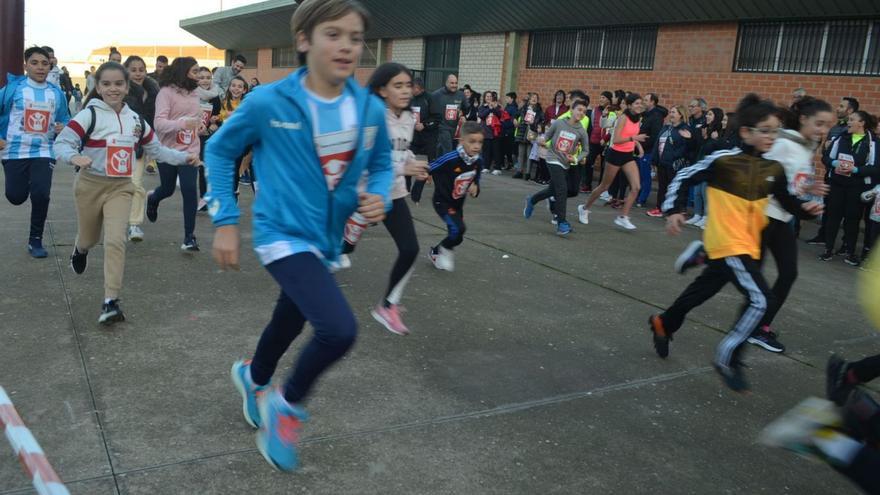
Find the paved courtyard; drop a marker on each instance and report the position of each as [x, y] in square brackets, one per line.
[529, 370]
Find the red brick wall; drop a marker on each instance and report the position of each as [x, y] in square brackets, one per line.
[696, 60]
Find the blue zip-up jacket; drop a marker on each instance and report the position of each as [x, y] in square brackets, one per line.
[294, 209]
[7, 97]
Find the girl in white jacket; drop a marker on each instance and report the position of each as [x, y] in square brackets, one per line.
[101, 140]
[393, 83]
[806, 125]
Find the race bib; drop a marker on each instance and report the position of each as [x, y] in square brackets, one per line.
[354, 228]
[530, 117]
[451, 112]
[185, 136]
[845, 167]
[120, 155]
[875, 211]
[335, 152]
[36, 117]
[417, 113]
[462, 183]
[565, 142]
[491, 120]
[801, 182]
[207, 112]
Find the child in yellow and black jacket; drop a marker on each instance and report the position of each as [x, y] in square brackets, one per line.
[739, 183]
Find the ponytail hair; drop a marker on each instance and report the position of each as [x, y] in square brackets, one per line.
[93, 94]
[869, 120]
[805, 107]
[750, 111]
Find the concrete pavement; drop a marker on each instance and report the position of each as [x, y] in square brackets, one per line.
[529, 369]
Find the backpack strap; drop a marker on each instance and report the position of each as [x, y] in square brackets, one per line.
[90, 129]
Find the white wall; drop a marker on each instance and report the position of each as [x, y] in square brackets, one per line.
[481, 62]
[409, 52]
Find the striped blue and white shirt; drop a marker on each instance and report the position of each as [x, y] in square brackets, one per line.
[32, 118]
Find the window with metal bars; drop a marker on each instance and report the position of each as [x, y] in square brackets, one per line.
[284, 57]
[847, 47]
[628, 47]
[370, 55]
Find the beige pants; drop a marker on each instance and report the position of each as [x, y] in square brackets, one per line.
[139, 198]
[104, 203]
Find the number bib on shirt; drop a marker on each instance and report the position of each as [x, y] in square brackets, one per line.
[845, 167]
[565, 142]
[451, 112]
[207, 111]
[491, 120]
[335, 151]
[801, 182]
[185, 136]
[530, 117]
[462, 183]
[417, 113]
[120, 155]
[36, 117]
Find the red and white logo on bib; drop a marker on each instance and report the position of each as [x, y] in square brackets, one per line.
[491, 120]
[530, 117]
[185, 136]
[565, 142]
[417, 113]
[207, 111]
[36, 117]
[451, 112]
[462, 183]
[801, 182]
[120, 156]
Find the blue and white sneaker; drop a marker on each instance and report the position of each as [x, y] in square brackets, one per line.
[278, 438]
[563, 228]
[36, 249]
[241, 378]
[529, 208]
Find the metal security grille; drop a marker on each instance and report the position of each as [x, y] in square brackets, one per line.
[849, 47]
[370, 55]
[441, 59]
[630, 48]
[284, 57]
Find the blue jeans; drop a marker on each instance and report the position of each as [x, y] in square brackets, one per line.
[700, 199]
[308, 293]
[645, 178]
[189, 189]
[30, 177]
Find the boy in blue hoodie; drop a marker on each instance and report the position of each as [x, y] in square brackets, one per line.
[32, 112]
[313, 134]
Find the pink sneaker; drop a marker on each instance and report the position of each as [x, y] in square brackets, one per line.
[390, 318]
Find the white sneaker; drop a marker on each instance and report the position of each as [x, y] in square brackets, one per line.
[605, 197]
[496, 172]
[624, 222]
[693, 220]
[486, 170]
[701, 224]
[344, 262]
[583, 214]
[135, 234]
[447, 257]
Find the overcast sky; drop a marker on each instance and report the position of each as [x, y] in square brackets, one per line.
[75, 28]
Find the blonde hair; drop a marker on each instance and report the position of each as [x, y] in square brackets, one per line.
[310, 13]
[681, 111]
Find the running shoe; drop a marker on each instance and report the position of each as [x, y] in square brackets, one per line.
[343, 262]
[390, 318]
[693, 255]
[203, 206]
[694, 219]
[486, 171]
[79, 261]
[826, 256]
[766, 338]
[585, 189]
[733, 376]
[852, 260]
[622, 221]
[661, 336]
[605, 196]
[190, 245]
[152, 208]
[443, 259]
[529, 208]
[656, 213]
[150, 169]
[135, 234]
[843, 251]
[838, 383]
[816, 241]
[250, 391]
[36, 249]
[110, 313]
[804, 428]
[583, 214]
[278, 437]
[496, 172]
[701, 224]
[563, 228]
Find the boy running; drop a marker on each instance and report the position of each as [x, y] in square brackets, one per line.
[313, 134]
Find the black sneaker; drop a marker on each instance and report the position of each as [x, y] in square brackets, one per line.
[733, 377]
[79, 261]
[152, 208]
[661, 336]
[111, 313]
[843, 251]
[190, 245]
[816, 241]
[766, 339]
[852, 260]
[692, 256]
[826, 256]
[837, 384]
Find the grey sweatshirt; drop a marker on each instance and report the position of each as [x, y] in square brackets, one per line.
[566, 139]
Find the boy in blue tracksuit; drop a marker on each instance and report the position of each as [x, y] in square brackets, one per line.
[313, 134]
[32, 112]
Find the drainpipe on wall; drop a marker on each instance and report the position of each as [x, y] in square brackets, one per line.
[12, 46]
[510, 77]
